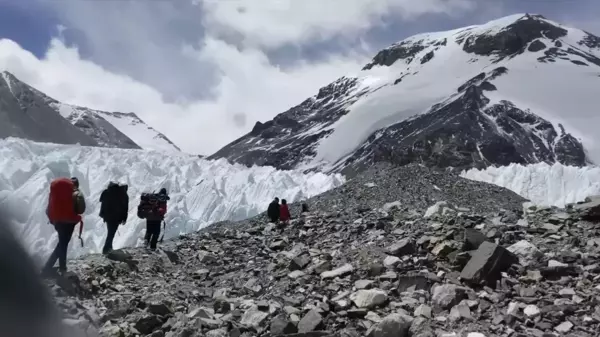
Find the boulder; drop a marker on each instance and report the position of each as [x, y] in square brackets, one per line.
[369, 298]
[401, 248]
[310, 322]
[393, 325]
[487, 264]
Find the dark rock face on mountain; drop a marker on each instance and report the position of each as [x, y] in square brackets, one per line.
[25, 114]
[360, 263]
[514, 39]
[285, 141]
[28, 113]
[477, 126]
[468, 132]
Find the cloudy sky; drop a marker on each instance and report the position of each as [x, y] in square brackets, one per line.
[204, 71]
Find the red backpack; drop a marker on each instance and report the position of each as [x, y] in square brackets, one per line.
[61, 205]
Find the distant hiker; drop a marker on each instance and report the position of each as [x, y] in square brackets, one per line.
[273, 210]
[284, 212]
[304, 207]
[153, 207]
[65, 206]
[114, 206]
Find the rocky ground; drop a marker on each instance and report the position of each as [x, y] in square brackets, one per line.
[387, 254]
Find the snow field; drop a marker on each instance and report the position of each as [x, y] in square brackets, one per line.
[201, 191]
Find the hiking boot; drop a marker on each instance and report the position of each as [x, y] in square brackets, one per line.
[49, 273]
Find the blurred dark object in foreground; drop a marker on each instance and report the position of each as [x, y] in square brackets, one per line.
[26, 308]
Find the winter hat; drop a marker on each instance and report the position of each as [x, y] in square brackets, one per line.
[75, 181]
[163, 191]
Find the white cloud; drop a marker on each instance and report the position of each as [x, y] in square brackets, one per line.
[140, 55]
[275, 23]
[251, 87]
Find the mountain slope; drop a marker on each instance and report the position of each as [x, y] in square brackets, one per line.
[129, 124]
[105, 129]
[513, 90]
[24, 114]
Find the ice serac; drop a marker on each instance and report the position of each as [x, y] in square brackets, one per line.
[543, 184]
[202, 191]
[25, 114]
[519, 89]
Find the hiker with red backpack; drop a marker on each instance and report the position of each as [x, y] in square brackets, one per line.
[65, 206]
[153, 207]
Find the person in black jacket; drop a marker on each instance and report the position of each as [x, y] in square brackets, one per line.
[114, 207]
[273, 210]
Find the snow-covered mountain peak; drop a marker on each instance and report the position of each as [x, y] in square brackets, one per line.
[130, 124]
[99, 128]
[495, 93]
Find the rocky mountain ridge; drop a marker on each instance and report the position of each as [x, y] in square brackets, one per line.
[447, 99]
[38, 117]
[367, 260]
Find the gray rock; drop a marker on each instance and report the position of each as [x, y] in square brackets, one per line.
[221, 306]
[253, 317]
[296, 274]
[460, 311]
[487, 264]
[472, 239]
[401, 248]
[423, 310]
[420, 327]
[217, 333]
[446, 296]
[338, 272]
[391, 261]
[299, 262]
[159, 308]
[147, 323]
[363, 284]
[280, 325]
[369, 298]
[393, 325]
[310, 322]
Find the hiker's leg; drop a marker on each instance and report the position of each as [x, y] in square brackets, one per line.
[148, 233]
[65, 232]
[111, 229]
[51, 259]
[155, 234]
[54, 255]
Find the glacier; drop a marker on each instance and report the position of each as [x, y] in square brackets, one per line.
[543, 184]
[202, 191]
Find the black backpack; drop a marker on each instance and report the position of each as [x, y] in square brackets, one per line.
[150, 203]
[114, 203]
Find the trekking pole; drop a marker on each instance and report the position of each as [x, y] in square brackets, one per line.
[164, 229]
[80, 231]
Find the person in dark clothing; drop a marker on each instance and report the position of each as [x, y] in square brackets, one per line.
[65, 206]
[155, 218]
[273, 210]
[114, 207]
[284, 212]
[304, 207]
